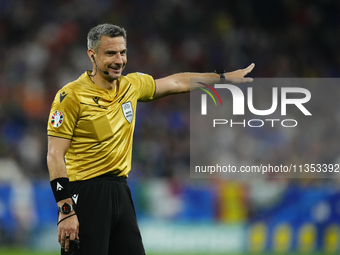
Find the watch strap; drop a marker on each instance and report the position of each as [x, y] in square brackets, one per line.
[221, 72]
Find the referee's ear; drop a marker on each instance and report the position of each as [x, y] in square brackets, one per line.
[91, 53]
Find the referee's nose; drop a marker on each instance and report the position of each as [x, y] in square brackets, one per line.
[119, 59]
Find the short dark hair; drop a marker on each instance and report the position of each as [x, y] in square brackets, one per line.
[96, 33]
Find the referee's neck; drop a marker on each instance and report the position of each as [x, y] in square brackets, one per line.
[104, 82]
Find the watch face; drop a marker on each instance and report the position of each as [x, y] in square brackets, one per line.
[66, 208]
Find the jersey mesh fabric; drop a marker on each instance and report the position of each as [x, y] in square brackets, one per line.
[99, 123]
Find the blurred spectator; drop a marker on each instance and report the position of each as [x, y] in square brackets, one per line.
[21, 202]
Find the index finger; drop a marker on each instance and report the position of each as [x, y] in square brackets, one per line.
[249, 68]
[67, 244]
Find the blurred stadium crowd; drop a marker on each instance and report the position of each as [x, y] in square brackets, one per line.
[43, 47]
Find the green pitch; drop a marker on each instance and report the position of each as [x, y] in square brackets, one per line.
[15, 251]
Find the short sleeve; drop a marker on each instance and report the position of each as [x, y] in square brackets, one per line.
[147, 87]
[64, 114]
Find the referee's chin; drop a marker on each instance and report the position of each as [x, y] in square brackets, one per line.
[114, 78]
[116, 75]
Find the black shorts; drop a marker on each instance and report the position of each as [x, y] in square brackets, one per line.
[107, 218]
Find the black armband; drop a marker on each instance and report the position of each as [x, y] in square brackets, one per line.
[61, 188]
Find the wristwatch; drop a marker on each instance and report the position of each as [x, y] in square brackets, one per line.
[66, 208]
[221, 73]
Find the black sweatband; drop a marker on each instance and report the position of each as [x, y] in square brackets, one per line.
[61, 188]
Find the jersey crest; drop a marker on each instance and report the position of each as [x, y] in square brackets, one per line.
[128, 111]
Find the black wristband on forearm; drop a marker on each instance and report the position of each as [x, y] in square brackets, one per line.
[61, 188]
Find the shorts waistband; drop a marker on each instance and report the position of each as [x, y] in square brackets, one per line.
[110, 176]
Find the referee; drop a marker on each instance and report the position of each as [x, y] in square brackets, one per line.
[90, 132]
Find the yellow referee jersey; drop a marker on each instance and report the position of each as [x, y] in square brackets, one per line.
[99, 123]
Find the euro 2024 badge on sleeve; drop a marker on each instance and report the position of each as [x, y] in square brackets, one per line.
[57, 119]
[128, 111]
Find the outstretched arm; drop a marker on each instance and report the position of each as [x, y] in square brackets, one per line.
[180, 83]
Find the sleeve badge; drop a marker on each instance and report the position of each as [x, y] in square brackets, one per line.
[57, 119]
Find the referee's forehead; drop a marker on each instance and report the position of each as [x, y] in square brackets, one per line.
[112, 43]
